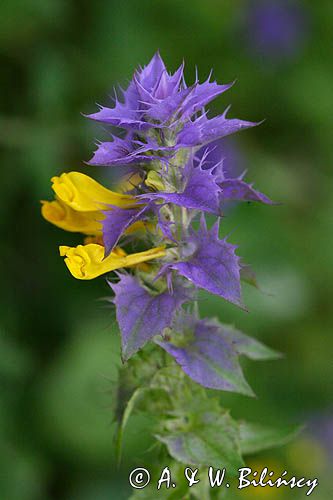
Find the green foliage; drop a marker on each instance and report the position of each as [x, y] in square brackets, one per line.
[256, 437]
[193, 426]
[56, 56]
[206, 439]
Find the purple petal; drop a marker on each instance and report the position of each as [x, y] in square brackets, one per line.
[163, 110]
[119, 151]
[185, 102]
[201, 95]
[168, 84]
[237, 189]
[202, 131]
[201, 191]
[116, 222]
[120, 116]
[141, 315]
[155, 85]
[153, 80]
[124, 152]
[213, 265]
[150, 75]
[206, 355]
[125, 114]
[225, 152]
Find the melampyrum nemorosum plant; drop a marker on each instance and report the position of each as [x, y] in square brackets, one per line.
[150, 237]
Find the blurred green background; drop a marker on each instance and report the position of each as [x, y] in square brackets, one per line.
[59, 346]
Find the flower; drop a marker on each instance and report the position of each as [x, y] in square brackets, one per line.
[86, 262]
[65, 217]
[79, 207]
[172, 177]
[161, 115]
[82, 193]
[199, 189]
[146, 233]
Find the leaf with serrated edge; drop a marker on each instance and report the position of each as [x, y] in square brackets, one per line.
[206, 354]
[211, 441]
[141, 315]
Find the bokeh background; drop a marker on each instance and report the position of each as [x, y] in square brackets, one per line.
[59, 346]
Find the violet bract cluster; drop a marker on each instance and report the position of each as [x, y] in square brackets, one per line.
[152, 234]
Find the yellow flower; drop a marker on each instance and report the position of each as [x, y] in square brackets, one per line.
[84, 194]
[78, 207]
[86, 262]
[63, 216]
[142, 266]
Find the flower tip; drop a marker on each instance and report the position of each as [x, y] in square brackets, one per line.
[52, 211]
[63, 249]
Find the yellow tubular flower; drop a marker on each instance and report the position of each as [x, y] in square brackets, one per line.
[63, 216]
[121, 252]
[84, 194]
[86, 262]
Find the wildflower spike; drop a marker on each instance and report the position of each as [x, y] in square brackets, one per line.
[144, 237]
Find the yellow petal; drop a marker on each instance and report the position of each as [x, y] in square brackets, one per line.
[121, 252]
[84, 194]
[86, 262]
[154, 181]
[63, 216]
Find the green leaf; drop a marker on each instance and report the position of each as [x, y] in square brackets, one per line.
[256, 437]
[210, 439]
[157, 405]
[136, 396]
